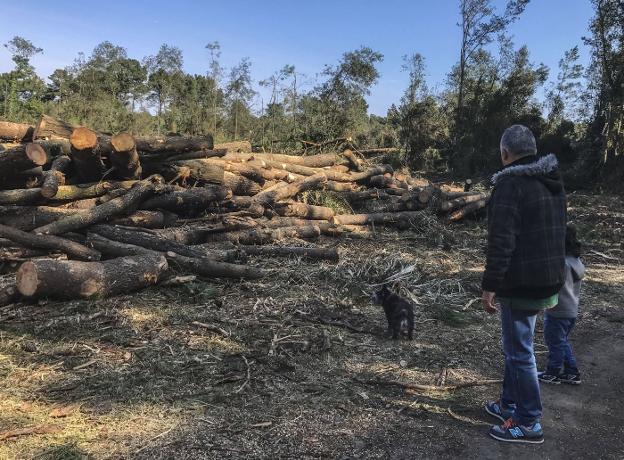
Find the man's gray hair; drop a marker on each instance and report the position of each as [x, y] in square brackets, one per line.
[519, 141]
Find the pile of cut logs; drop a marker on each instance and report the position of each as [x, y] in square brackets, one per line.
[86, 214]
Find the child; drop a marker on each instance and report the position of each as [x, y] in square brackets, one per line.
[559, 320]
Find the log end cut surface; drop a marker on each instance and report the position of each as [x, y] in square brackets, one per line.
[83, 138]
[27, 279]
[123, 142]
[37, 154]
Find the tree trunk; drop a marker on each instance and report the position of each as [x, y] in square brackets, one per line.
[55, 176]
[21, 158]
[470, 208]
[461, 201]
[312, 161]
[388, 182]
[51, 128]
[376, 218]
[84, 280]
[204, 266]
[56, 243]
[310, 253]
[267, 235]
[27, 218]
[235, 147]
[193, 201]
[145, 240]
[124, 157]
[17, 253]
[147, 219]
[290, 190]
[16, 132]
[86, 155]
[305, 211]
[124, 204]
[173, 145]
[212, 173]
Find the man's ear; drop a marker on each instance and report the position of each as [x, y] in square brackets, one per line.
[505, 156]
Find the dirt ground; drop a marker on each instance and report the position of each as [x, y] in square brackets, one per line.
[298, 366]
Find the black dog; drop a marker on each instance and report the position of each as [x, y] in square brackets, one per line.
[399, 312]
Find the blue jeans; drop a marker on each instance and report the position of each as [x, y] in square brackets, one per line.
[560, 356]
[520, 386]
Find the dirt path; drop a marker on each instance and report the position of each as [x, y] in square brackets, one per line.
[585, 421]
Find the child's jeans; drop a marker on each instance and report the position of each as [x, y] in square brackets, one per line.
[560, 356]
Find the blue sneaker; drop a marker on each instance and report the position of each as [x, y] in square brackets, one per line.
[510, 431]
[496, 409]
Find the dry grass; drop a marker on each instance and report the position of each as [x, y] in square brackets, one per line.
[279, 368]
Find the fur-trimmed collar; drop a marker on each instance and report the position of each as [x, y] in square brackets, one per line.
[540, 167]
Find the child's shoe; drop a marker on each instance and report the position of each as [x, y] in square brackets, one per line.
[570, 378]
[510, 431]
[496, 409]
[549, 377]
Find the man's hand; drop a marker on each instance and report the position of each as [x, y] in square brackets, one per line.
[487, 298]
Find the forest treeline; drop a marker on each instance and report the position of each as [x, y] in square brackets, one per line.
[578, 115]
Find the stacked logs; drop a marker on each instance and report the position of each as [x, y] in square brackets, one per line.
[88, 214]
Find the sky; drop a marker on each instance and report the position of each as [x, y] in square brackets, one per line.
[272, 33]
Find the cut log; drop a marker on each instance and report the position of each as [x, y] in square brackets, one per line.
[467, 185]
[388, 182]
[20, 253]
[16, 132]
[51, 128]
[146, 240]
[31, 178]
[290, 190]
[174, 144]
[311, 161]
[124, 157]
[305, 211]
[55, 176]
[470, 208]
[377, 218]
[86, 154]
[27, 218]
[84, 280]
[215, 174]
[236, 146]
[112, 248]
[55, 147]
[204, 266]
[200, 155]
[8, 295]
[267, 235]
[21, 158]
[72, 249]
[456, 203]
[310, 253]
[125, 204]
[147, 219]
[189, 202]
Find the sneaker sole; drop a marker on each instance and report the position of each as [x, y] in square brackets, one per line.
[550, 382]
[571, 382]
[518, 441]
[500, 417]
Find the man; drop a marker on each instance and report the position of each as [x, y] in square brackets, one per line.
[524, 271]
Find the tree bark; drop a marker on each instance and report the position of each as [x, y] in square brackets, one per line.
[470, 208]
[305, 211]
[312, 161]
[173, 145]
[147, 219]
[290, 190]
[20, 253]
[124, 204]
[310, 253]
[124, 157]
[237, 146]
[215, 174]
[461, 201]
[27, 218]
[51, 128]
[72, 249]
[388, 182]
[376, 218]
[21, 158]
[84, 280]
[86, 155]
[267, 235]
[193, 201]
[145, 240]
[204, 266]
[55, 176]
[16, 132]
